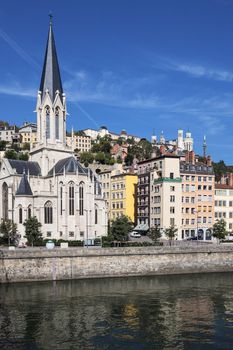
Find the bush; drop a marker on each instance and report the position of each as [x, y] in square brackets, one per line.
[3, 241]
[57, 242]
[109, 243]
[97, 241]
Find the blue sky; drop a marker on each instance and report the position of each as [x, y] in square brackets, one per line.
[133, 64]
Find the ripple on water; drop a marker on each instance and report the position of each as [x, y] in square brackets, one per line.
[162, 312]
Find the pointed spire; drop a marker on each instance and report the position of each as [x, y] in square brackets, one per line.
[51, 79]
[24, 188]
[204, 146]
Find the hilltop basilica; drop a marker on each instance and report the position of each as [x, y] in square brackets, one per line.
[53, 186]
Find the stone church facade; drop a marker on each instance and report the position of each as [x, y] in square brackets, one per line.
[53, 186]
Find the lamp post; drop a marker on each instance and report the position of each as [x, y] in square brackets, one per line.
[196, 212]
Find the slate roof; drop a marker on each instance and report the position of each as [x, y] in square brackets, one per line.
[22, 166]
[24, 188]
[51, 78]
[71, 165]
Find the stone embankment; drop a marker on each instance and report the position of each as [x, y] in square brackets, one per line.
[39, 264]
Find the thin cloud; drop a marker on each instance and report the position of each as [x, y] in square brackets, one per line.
[201, 71]
[191, 69]
[19, 50]
[212, 124]
[15, 89]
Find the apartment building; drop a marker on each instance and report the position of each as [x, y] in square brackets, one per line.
[159, 192]
[79, 142]
[197, 197]
[105, 178]
[9, 134]
[143, 193]
[223, 205]
[28, 133]
[103, 131]
[123, 196]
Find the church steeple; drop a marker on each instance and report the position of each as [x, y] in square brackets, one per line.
[51, 113]
[51, 78]
[51, 101]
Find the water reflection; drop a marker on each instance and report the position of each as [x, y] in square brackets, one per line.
[163, 312]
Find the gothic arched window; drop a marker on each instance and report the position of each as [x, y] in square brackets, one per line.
[48, 213]
[20, 215]
[96, 214]
[47, 116]
[61, 197]
[4, 201]
[29, 212]
[71, 198]
[81, 198]
[57, 123]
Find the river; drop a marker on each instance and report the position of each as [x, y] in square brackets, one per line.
[161, 312]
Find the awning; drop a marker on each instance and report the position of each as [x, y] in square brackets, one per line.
[141, 227]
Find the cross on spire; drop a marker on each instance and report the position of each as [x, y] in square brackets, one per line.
[50, 18]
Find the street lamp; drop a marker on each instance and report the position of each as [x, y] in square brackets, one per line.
[196, 212]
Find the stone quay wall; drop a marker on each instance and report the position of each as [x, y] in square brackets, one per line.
[39, 264]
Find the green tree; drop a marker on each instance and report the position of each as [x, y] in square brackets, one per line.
[155, 233]
[146, 148]
[32, 230]
[120, 140]
[11, 154]
[219, 229]
[170, 233]
[23, 156]
[220, 168]
[79, 133]
[130, 141]
[86, 157]
[3, 145]
[8, 230]
[129, 159]
[119, 160]
[100, 157]
[120, 228]
[26, 146]
[3, 123]
[15, 146]
[103, 144]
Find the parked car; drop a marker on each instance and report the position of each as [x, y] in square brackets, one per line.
[22, 245]
[135, 234]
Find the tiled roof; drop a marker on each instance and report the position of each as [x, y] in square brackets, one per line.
[22, 166]
[70, 164]
[24, 188]
[223, 186]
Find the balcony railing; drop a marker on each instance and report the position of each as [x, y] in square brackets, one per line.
[167, 179]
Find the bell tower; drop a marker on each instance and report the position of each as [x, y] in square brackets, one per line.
[51, 112]
[51, 103]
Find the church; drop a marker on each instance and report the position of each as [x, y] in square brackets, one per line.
[65, 197]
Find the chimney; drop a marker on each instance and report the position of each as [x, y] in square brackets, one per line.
[230, 179]
[192, 157]
[162, 149]
[208, 161]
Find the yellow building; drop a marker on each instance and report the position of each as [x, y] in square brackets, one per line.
[28, 133]
[79, 142]
[123, 196]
